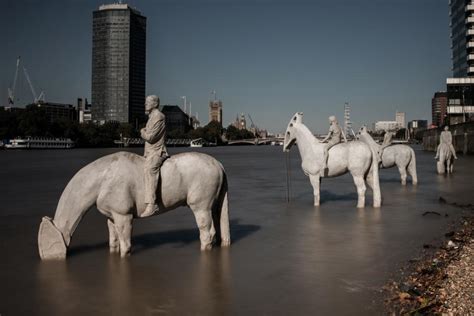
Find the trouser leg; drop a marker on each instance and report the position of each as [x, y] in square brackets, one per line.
[150, 185]
[325, 157]
[437, 152]
[451, 147]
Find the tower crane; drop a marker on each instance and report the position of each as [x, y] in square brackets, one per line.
[11, 91]
[252, 125]
[37, 98]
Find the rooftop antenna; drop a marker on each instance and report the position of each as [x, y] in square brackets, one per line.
[213, 92]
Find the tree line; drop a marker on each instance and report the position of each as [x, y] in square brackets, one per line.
[33, 121]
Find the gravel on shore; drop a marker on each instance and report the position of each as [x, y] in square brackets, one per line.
[441, 282]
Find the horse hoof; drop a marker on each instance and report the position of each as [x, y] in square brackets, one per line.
[225, 243]
[206, 247]
[114, 249]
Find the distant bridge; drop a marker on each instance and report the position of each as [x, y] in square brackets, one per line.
[126, 142]
[255, 141]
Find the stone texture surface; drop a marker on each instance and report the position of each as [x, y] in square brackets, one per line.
[115, 184]
[399, 155]
[355, 157]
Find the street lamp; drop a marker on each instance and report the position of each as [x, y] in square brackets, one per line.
[184, 98]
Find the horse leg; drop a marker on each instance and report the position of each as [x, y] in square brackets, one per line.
[440, 167]
[212, 232]
[315, 182]
[403, 174]
[412, 170]
[204, 223]
[123, 227]
[114, 244]
[360, 185]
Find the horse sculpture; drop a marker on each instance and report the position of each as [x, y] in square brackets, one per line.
[399, 155]
[115, 184]
[445, 163]
[355, 157]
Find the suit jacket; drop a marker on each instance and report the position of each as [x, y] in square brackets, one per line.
[155, 134]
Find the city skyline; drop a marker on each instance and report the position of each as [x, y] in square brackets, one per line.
[266, 58]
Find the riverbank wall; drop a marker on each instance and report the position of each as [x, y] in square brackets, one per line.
[463, 138]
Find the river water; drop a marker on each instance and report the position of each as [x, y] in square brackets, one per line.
[286, 258]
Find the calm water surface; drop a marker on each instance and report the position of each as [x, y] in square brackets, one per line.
[286, 258]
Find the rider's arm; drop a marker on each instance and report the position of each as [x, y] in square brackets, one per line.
[154, 130]
[344, 135]
[327, 137]
[449, 138]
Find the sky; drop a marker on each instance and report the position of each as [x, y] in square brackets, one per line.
[266, 58]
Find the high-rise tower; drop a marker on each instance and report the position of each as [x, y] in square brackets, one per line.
[118, 64]
[462, 37]
[460, 88]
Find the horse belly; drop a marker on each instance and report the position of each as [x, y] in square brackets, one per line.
[388, 161]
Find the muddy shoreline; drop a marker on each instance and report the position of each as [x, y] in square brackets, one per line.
[441, 279]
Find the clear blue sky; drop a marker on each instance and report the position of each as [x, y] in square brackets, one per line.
[267, 58]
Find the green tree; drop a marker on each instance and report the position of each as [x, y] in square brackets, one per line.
[232, 133]
[34, 122]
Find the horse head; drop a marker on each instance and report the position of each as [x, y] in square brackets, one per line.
[290, 134]
[363, 130]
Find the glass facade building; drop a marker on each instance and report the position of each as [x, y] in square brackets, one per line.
[118, 64]
[462, 36]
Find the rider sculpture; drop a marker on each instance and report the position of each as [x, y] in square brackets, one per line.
[334, 137]
[387, 141]
[446, 138]
[154, 134]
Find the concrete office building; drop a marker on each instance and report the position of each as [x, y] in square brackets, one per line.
[400, 119]
[118, 64]
[438, 108]
[176, 119]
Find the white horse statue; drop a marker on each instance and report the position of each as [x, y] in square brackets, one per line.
[445, 163]
[402, 156]
[115, 184]
[355, 157]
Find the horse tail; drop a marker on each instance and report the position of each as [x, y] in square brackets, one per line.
[224, 214]
[78, 197]
[377, 195]
[412, 167]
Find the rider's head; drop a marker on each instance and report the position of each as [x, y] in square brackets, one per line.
[446, 128]
[151, 102]
[332, 119]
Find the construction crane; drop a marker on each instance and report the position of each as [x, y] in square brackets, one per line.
[36, 98]
[252, 125]
[11, 91]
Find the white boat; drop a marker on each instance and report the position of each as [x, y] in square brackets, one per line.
[17, 143]
[40, 143]
[199, 142]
